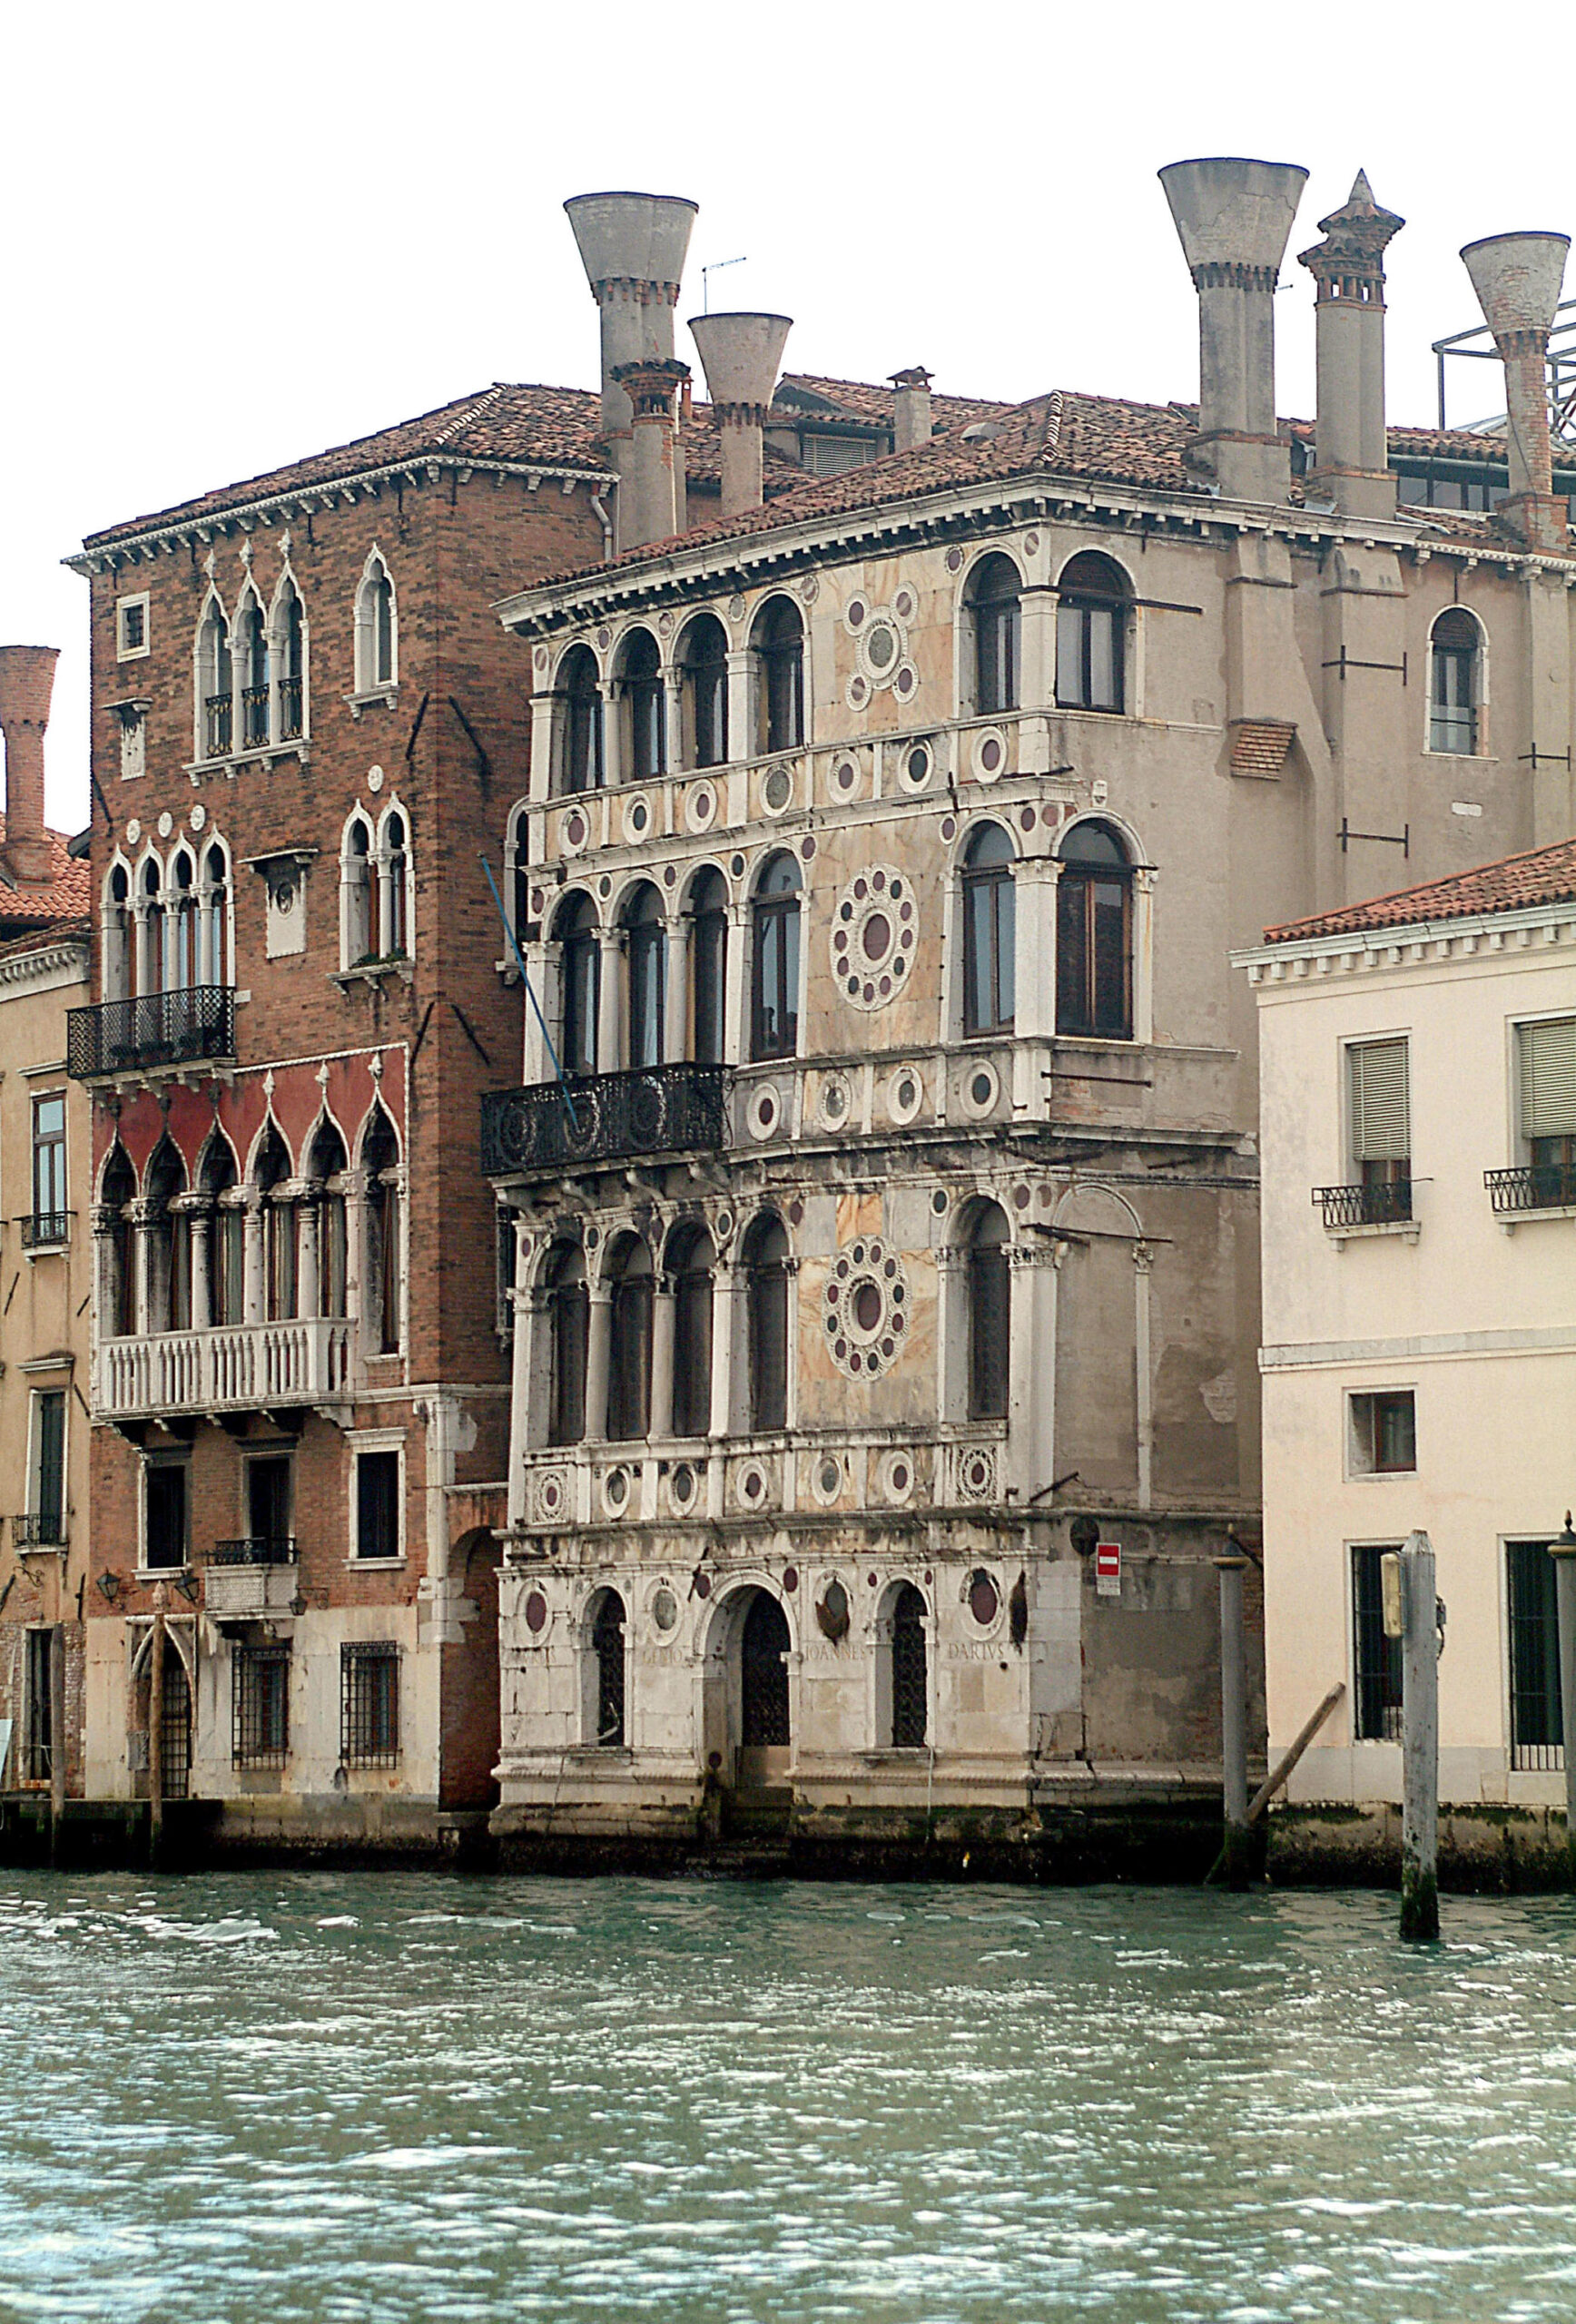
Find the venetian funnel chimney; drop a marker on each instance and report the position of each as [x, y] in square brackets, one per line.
[1352, 453]
[910, 408]
[1517, 277]
[741, 355]
[1234, 219]
[651, 492]
[633, 246]
[26, 683]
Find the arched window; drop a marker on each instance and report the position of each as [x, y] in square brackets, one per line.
[151, 887]
[607, 1658]
[183, 925]
[579, 984]
[278, 1227]
[990, 936]
[910, 1709]
[568, 1333]
[766, 1278]
[1094, 934]
[763, 1646]
[647, 971]
[629, 1343]
[326, 1166]
[989, 1313]
[580, 721]
[357, 908]
[1091, 621]
[384, 1308]
[213, 918]
[774, 997]
[215, 681]
[995, 622]
[116, 940]
[169, 1250]
[226, 1228]
[778, 646]
[290, 636]
[708, 905]
[705, 692]
[690, 1261]
[377, 628]
[393, 888]
[1455, 682]
[644, 712]
[117, 1190]
[253, 638]
[520, 872]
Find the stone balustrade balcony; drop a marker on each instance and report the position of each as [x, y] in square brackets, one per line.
[238, 1367]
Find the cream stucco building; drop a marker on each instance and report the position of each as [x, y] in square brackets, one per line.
[1418, 1110]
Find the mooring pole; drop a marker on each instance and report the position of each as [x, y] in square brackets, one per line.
[1420, 1743]
[156, 1731]
[1563, 1552]
[1233, 1718]
[56, 1737]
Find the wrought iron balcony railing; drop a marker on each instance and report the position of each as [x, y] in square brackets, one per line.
[1387, 1203]
[254, 716]
[1542, 1186]
[289, 709]
[180, 1028]
[218, 724]
[43, 1230]
[256, 1548]
[605, 1118]
[39, 1529]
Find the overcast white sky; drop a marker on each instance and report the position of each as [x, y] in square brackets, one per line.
[234, 236]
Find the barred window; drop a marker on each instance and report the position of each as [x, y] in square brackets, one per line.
[369, 1705]
[1375, 1657]
[260, 1706]
[1537, 1712]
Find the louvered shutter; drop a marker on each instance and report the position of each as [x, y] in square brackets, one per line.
[1549, 1078]
[1381, 1104]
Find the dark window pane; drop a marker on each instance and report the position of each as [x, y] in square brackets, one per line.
[1536, 1702]
[571, 1328]
[988, 1308]
[909, 1707]
[607, 1646]
[378, 1504]
[629, 1366]
[165, 1505]
[764, 1674]
[692, 1378]
[1376, 1660]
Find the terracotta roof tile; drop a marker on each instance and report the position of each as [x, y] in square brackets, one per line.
[67, 896]
[1543, 875]
[38, 940]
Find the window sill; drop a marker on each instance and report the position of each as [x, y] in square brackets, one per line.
[1507, 1222]
[376, 1565]
[376, 698]
[260, 755]
[395, 964]
[1408, 1229]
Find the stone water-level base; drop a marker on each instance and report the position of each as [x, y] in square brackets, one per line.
[202, 1835]
[1482, 1850]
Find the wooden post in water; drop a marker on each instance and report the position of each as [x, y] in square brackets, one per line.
[56, 1737]
[1233, 1718]
[1563, 1552]
[156, 1731]
[1420, 1744]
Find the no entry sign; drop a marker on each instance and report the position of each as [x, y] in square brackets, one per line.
[1107, 1569]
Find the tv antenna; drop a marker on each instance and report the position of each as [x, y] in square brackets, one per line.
[715, 267]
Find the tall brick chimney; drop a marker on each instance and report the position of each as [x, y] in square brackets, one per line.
[1517, 277]
[26, 683]
[1351, 447]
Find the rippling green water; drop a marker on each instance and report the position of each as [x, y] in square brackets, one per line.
[388, 2097]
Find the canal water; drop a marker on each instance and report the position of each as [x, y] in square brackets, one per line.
[367, 2097]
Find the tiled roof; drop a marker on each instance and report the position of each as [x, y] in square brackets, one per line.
[873, 406]
[1543, 875]
[67, 896]
[39, 939]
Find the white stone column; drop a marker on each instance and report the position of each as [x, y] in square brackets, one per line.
[610, 1011]
[254, 1290]
[1034, 882]
[1031, 1365]
[525, 1308]
[599, 1353]
[1037, 647]
[612, 734]
[1143, 1262]
[543, 706]
[535, 1064]
[198, 1220]
[736, 985]
[741, 727]
[308, 1252]
[673, 749]
[951, 1334]
[1144, 954]
[675, 1040]
[145, 1218]
[729, 1352]
[663, 1317]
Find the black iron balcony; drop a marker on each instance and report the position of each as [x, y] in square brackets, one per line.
[1543, 1185]
[44, 1230]
[256, 1548]
[218, 724]
[289, 709]
[254, 716]
[180, 1028]
[605, 1118]
[1386, 1203]
[39, 1529]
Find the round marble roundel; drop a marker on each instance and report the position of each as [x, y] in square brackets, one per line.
[865, 1308]
[874, 928]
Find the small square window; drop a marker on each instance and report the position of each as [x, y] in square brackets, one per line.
[130, 628]
[1383, 1434]
[378, 1504]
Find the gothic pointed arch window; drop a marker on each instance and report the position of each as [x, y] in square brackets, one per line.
[358, 894]
[118, 1290]
[377, 628]
[326, 1167]
[777, 649]
[1094, 934]
[568, 1339]
[1091, 623]
[168, 1244]
[151, 975]
[629, 1342]
[579, 983]
[995, 623]
[115, 935]
[213, 916]
[184, 960]
[1455, 682]
[392, 932]
[708, 913]
[253, 644]
[704, 662]
[646, 956]
[990, 933]
[767, 1283]
[289, 661]
[579, 721]
[691, 1263]
[988, 1311]
[225, 1227]
[774, 1010]
[383, 1274]
[270, 1176]
[216, 684]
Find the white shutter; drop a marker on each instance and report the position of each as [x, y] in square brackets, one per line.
[1549, 1078]
[1381, 1103]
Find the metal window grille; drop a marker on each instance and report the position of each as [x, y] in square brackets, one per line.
[1537, 1726]
[910, 1715]
[608, 1645]
[1376, 1659]
[175, 1729]
[763, 1673]
[261, 1706]
[1380, 1202]
[38, 1737]
[369, 1705]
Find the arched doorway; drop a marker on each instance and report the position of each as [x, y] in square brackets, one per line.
[763, 1728]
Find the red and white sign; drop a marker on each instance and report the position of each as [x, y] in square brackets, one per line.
[1107, 1569]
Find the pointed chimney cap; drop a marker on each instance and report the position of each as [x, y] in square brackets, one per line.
[1517, 277]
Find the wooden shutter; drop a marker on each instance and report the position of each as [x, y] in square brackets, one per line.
[1549, 1078]
[1381, 1102]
